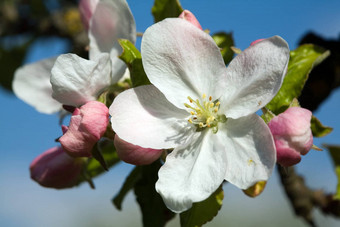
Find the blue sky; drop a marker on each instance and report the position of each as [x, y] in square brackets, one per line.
[26, 133]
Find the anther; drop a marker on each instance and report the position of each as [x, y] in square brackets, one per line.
[204, 96]
[210, 98]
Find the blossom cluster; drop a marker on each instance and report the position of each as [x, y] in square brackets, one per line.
[198, 114]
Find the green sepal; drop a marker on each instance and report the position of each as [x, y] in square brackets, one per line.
[225, 42]
[109, 154]
[133, 59]
[335, 155]
[318, 129]
[301, 62]
[166, 8]
[203, 212]
[129, 184]
[154, 211]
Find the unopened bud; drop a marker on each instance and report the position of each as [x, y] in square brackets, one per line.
[292, 135]
[190, 17]
[134, 154]
[56, 169]
[88, 124]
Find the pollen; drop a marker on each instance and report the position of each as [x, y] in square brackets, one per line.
[204, 113]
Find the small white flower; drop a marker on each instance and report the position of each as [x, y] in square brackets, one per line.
[203, 110]
[76, 80]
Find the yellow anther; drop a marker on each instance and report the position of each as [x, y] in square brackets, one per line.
[215, 109]
[192, 112]
[212, 105]
[190, 99]
[218, 103]
[204, 96]
[200, 125]
[210, 98]
[187, 105]
[190, 120]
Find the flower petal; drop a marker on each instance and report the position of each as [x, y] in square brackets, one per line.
[250, 151]
[254, 77]
[31, 84]
[144, 117]
[112, 20]
[86, 9]
[192, 172]
[181, 61]
[76, 81]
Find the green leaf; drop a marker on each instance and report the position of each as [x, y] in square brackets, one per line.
[318, 129]
[302, 60]
[154, 211]
[133, 59]
[129, 184]
[11, 58]
[109, 154]
[166, 8]
[225, 42]
[335, 154]
[203, 212]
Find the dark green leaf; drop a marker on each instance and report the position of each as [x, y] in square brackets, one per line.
[318, 129]
[166, 8]
[108, 151]
[154, 211]
[301, 62]
[335, 154]
[129, 184]
[203, 212]
[225, 41]
[133, 59]
[10, 60]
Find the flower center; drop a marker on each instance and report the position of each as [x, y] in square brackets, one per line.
[205, 115]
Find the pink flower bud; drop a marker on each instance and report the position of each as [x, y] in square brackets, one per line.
[86, 8]
[292, 135]
[256, 41]
[188, 16]
[56, 169]
[88, 124]
[134, 154]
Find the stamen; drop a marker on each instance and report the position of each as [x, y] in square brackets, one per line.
[204, 96]
[210, 98]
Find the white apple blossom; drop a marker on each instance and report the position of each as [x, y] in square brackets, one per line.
[76, 80]
[203, 110]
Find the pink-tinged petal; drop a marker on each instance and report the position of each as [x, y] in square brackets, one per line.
[56, 169]
[192, 171]
[134, 154]
[86, 8]
[112, 20]
[254, 77]
[76, 81]
[190, 17]
[31, 84]
[292, 135]
[144, 117]
[182, 60]
[250, 150]
[256, 41]
[88, 124]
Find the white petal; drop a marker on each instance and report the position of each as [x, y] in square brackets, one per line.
[144, 117]
[182, 60]
[76, 81]
[254, 77]
[192, 172]
[112, 20]
[250, 150]
[31, 84]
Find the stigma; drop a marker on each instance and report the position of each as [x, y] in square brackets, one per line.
[204, 114]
